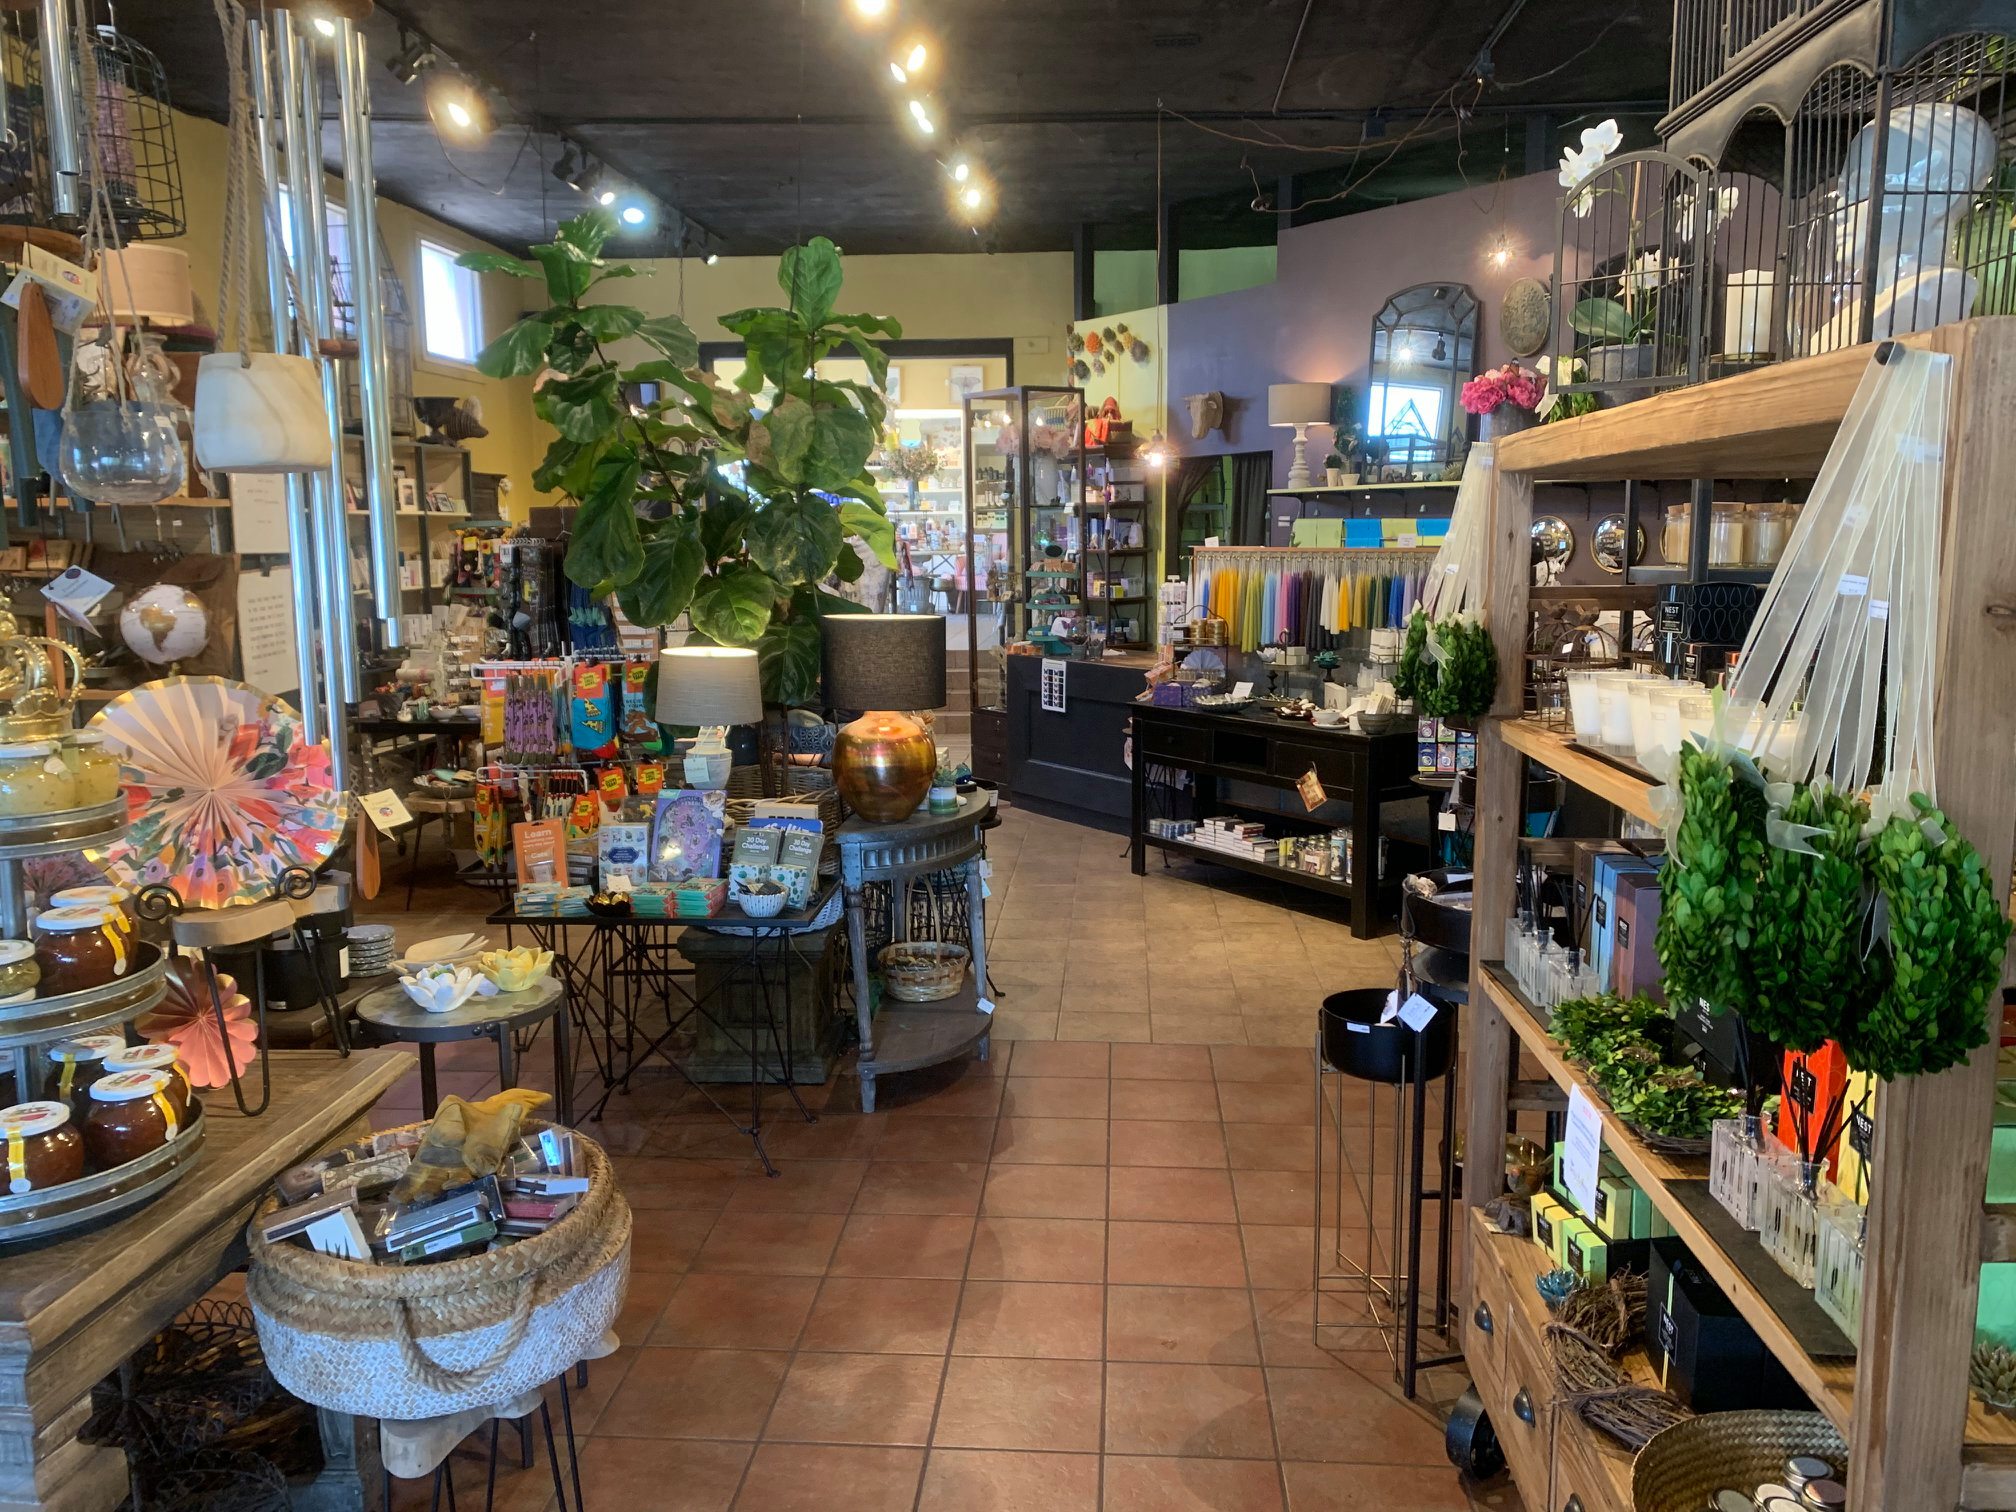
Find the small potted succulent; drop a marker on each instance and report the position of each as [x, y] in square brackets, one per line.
[1335, 472]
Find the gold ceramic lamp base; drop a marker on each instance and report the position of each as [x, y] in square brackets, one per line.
[883, 763]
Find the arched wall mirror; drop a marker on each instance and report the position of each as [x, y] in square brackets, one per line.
[1424, 348]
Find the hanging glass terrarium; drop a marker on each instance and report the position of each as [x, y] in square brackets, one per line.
[121, 445]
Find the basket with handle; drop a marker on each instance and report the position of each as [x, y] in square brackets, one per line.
[1686, 1464]
[416, 1341]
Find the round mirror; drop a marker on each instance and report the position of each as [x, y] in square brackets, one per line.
[1607, 544]
[1553, 546]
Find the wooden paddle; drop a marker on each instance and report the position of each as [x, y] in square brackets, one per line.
[369, 875]
[41, 369]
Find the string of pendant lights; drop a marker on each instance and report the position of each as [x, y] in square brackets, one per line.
[913, 62]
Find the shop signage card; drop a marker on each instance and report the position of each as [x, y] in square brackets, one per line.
[259, 513]
[1582, 1150]
[266, 630]
[1053, 684]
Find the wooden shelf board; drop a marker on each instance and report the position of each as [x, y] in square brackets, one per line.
[1775, 422]
[1316, 489]
[1551, 749]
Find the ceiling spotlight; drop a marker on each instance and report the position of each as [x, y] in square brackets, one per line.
[412, 60]
[961, 170]
[633, 214]
[971, 197]
[713, 258]
[325, 26]
[605, 197]
[871, 10]
[570, 169]
[458, 110]
[921, 114]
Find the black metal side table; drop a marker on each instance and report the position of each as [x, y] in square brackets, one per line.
[393, 1016]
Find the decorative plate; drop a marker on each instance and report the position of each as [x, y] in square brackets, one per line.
[1526, 316]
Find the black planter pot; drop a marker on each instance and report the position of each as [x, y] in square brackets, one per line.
[1356, 1043]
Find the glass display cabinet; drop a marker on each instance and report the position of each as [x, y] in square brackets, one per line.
[1115, 581]
[1025, 543]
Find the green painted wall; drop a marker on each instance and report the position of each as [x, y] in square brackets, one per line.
[1125, 281]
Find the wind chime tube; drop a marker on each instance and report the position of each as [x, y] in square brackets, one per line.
[300, 540]
[373, 390]
[60, 107]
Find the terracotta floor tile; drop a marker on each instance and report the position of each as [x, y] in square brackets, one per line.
[1101, 1025]
[1188, 1027]
[830, 1478]
[645, 1299]
[800, 1186]
[1144, 1142]
[1280, 1256]
[1055, 1097]
[1372, 1488]
[973, 1096]
[914, 1135]
[772, 1244]
[921, 1187]
[1033, 1319]
[1161, 1063]
[1051, 1141]
[1274, 1029]
[664, 1474]
[665, 1240]
[1025, 1026]
[1136, 1484]
[1283, 1196]
[700, 1186]
[898, 1244]
[1061, 1060]
[1170, 1194]
[1269, 1147]
[1257, 1063]
[1268, 1102]
[1345, 1416]
[736, 1312]
[836, 1136]
[1191, 1325]
[694, 1393]
[1174, 1254]
[1204, 1411]
[857, 1399]
[1189, 1101]
[1038, 1249]
[1020, 1404]
[970, 1480]
[1287, 1328]
[878, 1315]
[1016, 1191]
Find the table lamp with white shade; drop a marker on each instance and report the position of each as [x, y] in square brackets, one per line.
[712, 687]
[1300, 405]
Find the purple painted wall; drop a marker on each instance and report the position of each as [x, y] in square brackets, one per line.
[1314, 322]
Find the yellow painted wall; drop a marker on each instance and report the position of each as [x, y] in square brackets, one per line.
[517, 438]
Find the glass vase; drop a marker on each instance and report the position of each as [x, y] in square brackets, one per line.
[123, 452]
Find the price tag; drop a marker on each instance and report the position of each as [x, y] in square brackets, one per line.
[1417, 1013]
[386, 811]
[985, 1005]
[1445, 821]
[1242, 690]
[75, 593]
[1854, 585]
[1582, 1150]
[1409, 542]
[1879, 609]
[1310, 786]
[1210, 541]
[1392, 1009]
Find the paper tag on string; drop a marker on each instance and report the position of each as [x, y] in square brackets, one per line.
[385, 810]
[1392, 1009]
[75, 593]
[985, 1005]
[1417, 1013]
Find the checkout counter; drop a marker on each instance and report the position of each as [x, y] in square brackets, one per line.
[1073, 765]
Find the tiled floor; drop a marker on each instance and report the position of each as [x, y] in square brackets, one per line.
[1076, 1276]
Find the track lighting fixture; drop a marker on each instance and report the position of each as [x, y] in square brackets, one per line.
[458, 110]
[412, 60]
[571, 168]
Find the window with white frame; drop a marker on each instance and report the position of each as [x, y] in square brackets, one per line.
[451, 305]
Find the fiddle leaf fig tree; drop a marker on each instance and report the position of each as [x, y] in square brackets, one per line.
[730, 504]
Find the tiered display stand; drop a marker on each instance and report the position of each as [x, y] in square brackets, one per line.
[1917, 1442]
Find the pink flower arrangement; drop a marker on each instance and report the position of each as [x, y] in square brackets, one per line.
[1510, 384]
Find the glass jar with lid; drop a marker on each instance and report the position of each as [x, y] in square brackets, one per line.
[18, 971]
[115, 899]
[43, 1147]
[93, 769]
[81, 948]
[131, 1116]
[34, 780]
[75, 1064]
[156, 1058]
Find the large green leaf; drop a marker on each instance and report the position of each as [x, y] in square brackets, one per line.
[610, 322]
[788, 655]
[810, 277]
[1603, 319]
[848, 566]
[734, 605]
[842, 439]
[871, 325]
[874, 529]
[588, 233]
[673, 337]
[495, 262]
[721, 524]
[606, 551]
[874, 356]
[792, 428]
[859, 395]
[519, 351]
[569, 270]
[795, 540]
[569, 466]
[769, 337]
[664, 585]
[581, 408]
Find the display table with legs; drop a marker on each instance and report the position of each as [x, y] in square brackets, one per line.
[392, 1016]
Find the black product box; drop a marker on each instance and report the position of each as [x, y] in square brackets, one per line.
[1706, 613]
[1703, 1351]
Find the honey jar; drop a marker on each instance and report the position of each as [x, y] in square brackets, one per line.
[34, 780]
[94, 771]
[157, 1058]
[44, 1150]
[132, 1114]
[19, 972]
[74, 1064]
[80, 948]
[117, 899]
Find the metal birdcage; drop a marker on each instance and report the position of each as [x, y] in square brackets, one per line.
[132, 124]
[398, 333]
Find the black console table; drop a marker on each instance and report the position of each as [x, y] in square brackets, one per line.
[1257, 746]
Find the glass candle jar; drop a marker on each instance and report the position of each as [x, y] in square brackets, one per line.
[1584, 708]
[115, 900]
[156, 1058]
[43, 1147]
[1673, 532]
[34, 780]
[1613, 698]
[18, 971]
[81, 948]
[131, 1115]
[75, 1064]
[93, 769]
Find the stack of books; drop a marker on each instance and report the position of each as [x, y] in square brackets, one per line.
[551, 900]
[1239, 837]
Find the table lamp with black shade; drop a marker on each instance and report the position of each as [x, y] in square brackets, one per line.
[884, 666]
[711, 687]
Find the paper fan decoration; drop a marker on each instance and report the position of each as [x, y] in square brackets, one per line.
[222, 793]
[187, 1019]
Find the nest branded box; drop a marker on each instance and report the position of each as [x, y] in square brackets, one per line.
[1704, 1352]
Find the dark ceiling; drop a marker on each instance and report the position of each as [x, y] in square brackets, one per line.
[767, 120]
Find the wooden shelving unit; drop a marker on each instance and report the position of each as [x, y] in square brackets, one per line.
[1916, 1442]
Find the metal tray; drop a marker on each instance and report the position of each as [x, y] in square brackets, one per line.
[40, 1020]
[34, 1215]
[30, 835]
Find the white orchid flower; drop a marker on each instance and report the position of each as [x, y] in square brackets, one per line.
[1574, 168]
[1646, 272]
[1727, 198]
[1601, 140]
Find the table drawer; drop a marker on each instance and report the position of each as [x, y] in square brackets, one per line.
[1591, 1473]
[1332, 763]
[1522, 1416]
[1489, 1321]
[1175, 742]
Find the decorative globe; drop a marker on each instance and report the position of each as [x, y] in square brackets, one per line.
[164, 624]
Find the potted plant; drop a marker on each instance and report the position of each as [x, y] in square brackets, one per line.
[1333, 471]
[1506, 397]
[690, 499]
[915, 465]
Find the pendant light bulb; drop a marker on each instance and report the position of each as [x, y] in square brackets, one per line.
[870, 10]
[915, 59]
[896, 72]
[457, 109]
[961, 171]
[713, 258]
[1157, 454]
[325, 26]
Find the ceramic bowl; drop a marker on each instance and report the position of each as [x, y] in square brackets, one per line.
[761, 905]
[514, 970]
[443, 989]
